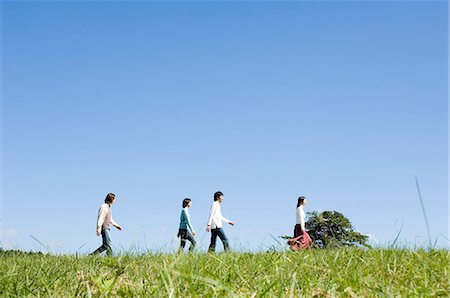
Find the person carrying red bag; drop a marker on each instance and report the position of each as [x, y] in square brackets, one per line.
[301, 239]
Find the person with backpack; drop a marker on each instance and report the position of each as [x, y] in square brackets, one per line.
[215, 223]
[186, 232]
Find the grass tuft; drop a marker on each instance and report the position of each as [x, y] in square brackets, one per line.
[345, 272]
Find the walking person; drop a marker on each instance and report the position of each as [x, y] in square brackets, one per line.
[104, 222]
[300, 215]
[301, 238]
[215, 223]
[186, 232]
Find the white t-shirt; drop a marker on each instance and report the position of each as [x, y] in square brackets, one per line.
[215, 216]
[104, 218]
[301, 217]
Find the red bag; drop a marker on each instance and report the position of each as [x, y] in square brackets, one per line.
[301, 242]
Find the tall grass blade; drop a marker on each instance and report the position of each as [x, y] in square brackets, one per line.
[424, 212]
[398, 235]
[38, 241]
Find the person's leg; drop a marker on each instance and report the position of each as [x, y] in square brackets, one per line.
[183, 237]
[192, 240]
[99, 250]
[224, 239]
[298, 230]
[104, 245]
[212, 245]
[107, 242]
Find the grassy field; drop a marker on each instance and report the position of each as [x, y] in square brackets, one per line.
[317, 273]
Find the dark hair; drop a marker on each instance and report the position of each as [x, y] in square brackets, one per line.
[217, 195]
[110, 198]
[186, 202]
[300, 201]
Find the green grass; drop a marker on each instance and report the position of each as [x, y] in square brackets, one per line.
[319, 273]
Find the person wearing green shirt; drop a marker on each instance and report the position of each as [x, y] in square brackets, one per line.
[186, 231]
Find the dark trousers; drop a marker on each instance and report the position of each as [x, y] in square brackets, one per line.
[184, 234]
[106, 244]
[298, 230]
[218, 232]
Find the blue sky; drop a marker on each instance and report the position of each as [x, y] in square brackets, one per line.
[342, 102]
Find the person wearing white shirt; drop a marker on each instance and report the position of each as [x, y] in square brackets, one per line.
[300, 216]
[104, 222]
[215, 223]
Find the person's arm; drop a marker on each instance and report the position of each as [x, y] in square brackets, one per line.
[188, 221]
[184, 217]
[101, 218]
[223, 218]
[211, 215]
[226, 220]
[302, 220]
[115, 224]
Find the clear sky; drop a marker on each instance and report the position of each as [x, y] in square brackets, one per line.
[342, 102]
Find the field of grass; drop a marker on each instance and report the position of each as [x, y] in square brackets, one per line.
[313, 273]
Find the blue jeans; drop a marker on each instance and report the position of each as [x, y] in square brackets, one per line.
[218, 232]
[106, 244]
